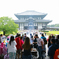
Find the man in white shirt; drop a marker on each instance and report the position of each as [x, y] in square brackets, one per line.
[40, 44]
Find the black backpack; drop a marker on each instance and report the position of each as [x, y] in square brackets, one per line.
[35, 45]
[45, 41]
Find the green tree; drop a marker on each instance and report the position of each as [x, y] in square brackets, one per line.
[53, 25]
[7, 25]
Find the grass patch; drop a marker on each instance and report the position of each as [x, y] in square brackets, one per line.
[45, 31]
[1, 32]
[54, 32]
[51, 32]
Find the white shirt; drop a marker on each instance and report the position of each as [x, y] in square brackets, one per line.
[3, 38]
[39, 42]
[12, 47]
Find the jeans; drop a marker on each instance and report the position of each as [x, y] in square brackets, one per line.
[43, 53]
[39, 48]
[26, 57]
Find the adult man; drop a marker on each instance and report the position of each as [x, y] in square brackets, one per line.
[52, 49]
[40, 44]
[18, 46]
[24, 37]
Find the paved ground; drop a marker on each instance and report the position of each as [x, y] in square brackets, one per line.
[47, 57]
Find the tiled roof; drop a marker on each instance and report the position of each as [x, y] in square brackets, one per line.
[30, 12]
[33, 20]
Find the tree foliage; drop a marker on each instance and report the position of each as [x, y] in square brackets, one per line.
[53, 25]
[7, 25]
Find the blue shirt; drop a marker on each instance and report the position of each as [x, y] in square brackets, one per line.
[43, 37]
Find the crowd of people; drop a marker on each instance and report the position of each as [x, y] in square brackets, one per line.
[15, 46]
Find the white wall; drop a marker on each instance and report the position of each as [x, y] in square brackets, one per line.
[21, 26]
[25, 24]
[44, 24]
[39, 25]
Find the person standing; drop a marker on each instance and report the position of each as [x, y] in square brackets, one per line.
[40, 47]
[52, 49]
[49, 39]
[45, 42]
[44, 38]
[18, 46]
[53, 37]
[27, 49]
[11, 48]
[16, 35]
[24, 37]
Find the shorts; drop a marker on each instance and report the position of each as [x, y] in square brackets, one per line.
[12, 55]
[18, 51]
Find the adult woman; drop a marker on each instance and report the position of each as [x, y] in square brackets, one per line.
[44, 38]
[49, 38]
[45, 42]
[11, 48]
[27, 49]
[57, 40]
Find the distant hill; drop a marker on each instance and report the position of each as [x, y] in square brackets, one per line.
[53, 25]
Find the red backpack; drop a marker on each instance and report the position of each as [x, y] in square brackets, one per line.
[56, 55]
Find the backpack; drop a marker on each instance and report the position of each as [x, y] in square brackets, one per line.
[56, 55]
[45, 41]
[35, 45]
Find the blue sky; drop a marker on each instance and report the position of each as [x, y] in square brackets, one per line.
[51, 7]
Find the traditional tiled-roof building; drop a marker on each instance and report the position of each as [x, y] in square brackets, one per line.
[31, 20]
